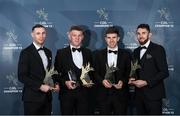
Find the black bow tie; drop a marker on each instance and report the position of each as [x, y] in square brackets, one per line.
[115, 52]
[143, 47]
[40, 49]
[74, 49]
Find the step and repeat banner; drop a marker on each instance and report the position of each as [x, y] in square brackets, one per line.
[18, 16]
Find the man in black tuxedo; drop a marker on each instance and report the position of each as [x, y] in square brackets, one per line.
[69, 61]
[33, 62]
[112, 97]
[149, 82]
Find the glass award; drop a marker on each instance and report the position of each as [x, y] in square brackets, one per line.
[72, 77]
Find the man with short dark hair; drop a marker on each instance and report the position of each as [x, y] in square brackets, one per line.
[33, 63]
[113, 87]
[69, 62]
[153, 70]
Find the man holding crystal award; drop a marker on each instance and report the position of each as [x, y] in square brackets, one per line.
[34, 71]
[74, 63]
[112, 66]
[151, 70]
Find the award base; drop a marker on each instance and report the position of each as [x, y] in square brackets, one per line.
[88, 85]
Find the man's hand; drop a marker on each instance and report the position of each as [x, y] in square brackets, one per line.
[106, 83]
[45, 88]
[119, 85]
[88, 85]
[139, 83]
[70, 84]
[56, 88]
[131, 80]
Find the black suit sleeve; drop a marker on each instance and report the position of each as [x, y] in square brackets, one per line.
[59, 67]
[90, 60]
[127, 68]
[97, 66]
[162, 67]
[23, 72]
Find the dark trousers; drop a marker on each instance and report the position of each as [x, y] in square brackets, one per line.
[74, 102]
[145, 106]
[37, 108]
[113, 105]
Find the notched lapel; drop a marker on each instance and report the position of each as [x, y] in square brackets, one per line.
[84, 56]
[105, 56]
[118, 57]
[49, 58]
[147, 55]
[69, 57]
[36, 55]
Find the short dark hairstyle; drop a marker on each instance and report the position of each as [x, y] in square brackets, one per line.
[76, 27]
[112, 29]
[144, 26]
[37, 26]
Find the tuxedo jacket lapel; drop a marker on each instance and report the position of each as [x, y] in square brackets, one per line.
[144, 58]
[84, 57]
[36, 55]
[105, 56]
[137, 54]
[70, 58]
[48, 58]
[105, 60]
[118, 57]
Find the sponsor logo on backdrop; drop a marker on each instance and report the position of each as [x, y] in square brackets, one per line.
[132, 36]
[13, 84]
[164, 18]
[12, 41]
[103, 18]
[66, 45]
[171, 67]
[131, 46]
[42, 18]
[166, 107]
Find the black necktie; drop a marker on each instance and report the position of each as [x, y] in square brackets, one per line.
[115, 52]
[143, 47]
[40, 49]
[74, 49]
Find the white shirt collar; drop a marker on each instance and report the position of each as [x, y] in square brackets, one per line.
[113, 49]
[37, 46]
[146, 44]
[71, 46]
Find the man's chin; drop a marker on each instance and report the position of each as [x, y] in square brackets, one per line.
[142, 42]
[112, 46]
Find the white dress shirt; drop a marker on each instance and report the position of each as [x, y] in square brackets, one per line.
[112, 58]
[42, 55]
[144, 50]
[77, 57]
